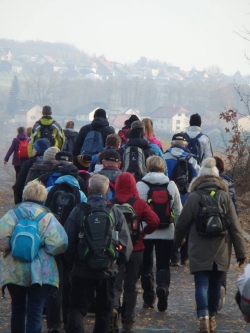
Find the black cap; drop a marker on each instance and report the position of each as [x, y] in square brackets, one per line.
[179, 136]
[64, 156]
[111, 155]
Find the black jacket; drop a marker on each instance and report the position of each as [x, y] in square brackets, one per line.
[98, 124]
[72, 228]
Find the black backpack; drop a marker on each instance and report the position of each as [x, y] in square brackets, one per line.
[62, 199]
[158, 200]
[211, 219]
[134, 162]
[98, 240]
[130, 217]
[182, 174]
[46, 132]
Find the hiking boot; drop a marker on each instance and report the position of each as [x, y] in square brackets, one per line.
[114, 322]
[184, 262]
[174, 264]
[162, 299]
[127, 328]
[212, 324]
[222, 298]
[148, 306]
[204, 324]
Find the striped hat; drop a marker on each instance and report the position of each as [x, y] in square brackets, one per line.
[82, 162]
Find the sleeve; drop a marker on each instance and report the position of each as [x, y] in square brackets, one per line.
[71, 227]
[10, 151]
[142, 189]
[195, 166]
[80, 138]
[82, 197]
[55, 237]
[59, 136]
[32, 139]
[176, 204]
[207, 148]
[149, 217]
[7, 226]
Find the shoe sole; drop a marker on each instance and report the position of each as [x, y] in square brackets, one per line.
[162, 304]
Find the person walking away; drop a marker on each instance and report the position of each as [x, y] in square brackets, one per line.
[47, 128]
[126, 193]
[182, 168]
[70, 137]
[39, 147]
[124, 132]
[82, 162]
[209, 204]
[30, 275]
[19, 149]
[92, 137]
[198, 143]
[97, 274]
[149, 132]
[155, 184]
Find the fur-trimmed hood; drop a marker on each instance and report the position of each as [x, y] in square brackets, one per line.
[207, 182]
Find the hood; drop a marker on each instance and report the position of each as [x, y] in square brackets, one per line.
[99, 122]
[68, 179]
[125, 187]
[156, 178]
[193, 131]
[46, 120]
[204, 182]
[111, 173]
[178, 151]
[69, 132]
[22, 136]
[138, 142]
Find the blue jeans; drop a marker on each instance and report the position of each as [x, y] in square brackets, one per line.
[207, 292]
[27, 301]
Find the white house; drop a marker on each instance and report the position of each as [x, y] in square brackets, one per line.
[28, 114]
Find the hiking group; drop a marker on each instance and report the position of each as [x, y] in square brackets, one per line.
[92, 210]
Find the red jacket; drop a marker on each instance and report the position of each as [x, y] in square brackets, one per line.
[125, 188]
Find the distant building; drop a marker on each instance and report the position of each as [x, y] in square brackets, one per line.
[11, 66]
[85, 114]
[28, 114]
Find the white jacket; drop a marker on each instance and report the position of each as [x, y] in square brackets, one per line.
[160, 178]
[206, 148]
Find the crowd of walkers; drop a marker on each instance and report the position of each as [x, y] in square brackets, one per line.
[96, 211]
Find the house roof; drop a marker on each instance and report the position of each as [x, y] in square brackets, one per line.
[118, 120]
[167, 111]
[26, 107]
[86, 109]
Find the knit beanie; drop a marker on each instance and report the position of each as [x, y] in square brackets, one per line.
[82, 162]
[208, 167]
[41, 145]
[100, 113]
[50, 153]
[195, 120]
[219, 164]
[133, 118]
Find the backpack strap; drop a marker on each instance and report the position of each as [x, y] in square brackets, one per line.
[37, 219]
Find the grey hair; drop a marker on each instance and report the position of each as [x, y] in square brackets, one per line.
[138, 124]
[179, 143]
[35, 191]
[99, 184]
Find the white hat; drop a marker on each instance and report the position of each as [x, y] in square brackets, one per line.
[208, 167]
[50, 153]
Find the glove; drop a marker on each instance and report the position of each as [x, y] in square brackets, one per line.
[241, 261]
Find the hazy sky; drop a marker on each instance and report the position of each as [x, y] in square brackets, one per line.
[186, 33]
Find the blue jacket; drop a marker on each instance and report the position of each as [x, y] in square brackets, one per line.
[72, 181]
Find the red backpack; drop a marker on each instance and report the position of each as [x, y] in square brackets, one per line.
[158, 200]
[122, 133]
[22, 151]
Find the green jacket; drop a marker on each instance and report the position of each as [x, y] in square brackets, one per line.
[57, 132]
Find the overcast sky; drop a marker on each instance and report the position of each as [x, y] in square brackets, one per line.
[185, 33]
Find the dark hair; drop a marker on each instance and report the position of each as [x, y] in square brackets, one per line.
[113, 140]
[21, 130]
[195, 120]
[46, 110]
[219, 164]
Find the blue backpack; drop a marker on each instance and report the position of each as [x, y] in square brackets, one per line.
[53, 178]
[194, 147]
[92, 144]
[25, 239]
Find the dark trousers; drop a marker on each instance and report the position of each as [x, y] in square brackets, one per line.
[180, 255]
[27, 302]
[129, 273]
[58, 300]
[207, 292]
[163, 250]
[82, 292]
[17, 169]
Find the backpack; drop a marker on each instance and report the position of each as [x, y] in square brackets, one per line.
[98, 239]
[70, 139]
[122, 134]
[92, 144]
[53, 178]
[211, 218]
[130, 217]
[62, 199]
[182, 174]
[194, 146]
[25, 239]
[158, 199]
[46, 132]
[134, 162]
[22, 151]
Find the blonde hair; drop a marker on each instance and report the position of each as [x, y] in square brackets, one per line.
[35, 191]
[148, 127]
[28, 131]
[155, 164]
[70, 124]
